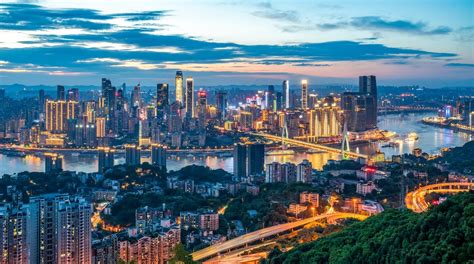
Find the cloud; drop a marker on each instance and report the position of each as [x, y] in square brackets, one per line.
[468, 65]
[266, 10]
[379, 23]
[312, 64]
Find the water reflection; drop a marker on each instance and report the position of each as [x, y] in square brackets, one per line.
[431, 140]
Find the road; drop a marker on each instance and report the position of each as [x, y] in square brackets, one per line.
[308, 145]
[266, 232]
[415, 200]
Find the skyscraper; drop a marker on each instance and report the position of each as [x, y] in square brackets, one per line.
[201, 108]
[136, 96]
[57, 114]
[286, 94]
[106, 158]
[53, 162]
[132, 155]
[255, 159]
[73, 94]
[60, 93]
[269, 98]
[59, 229]
[368, 88]
[189, 106]
[304, 94]
[178, 83]
[13, 236]
[240, 161]
[162, 96]
[158, 156]
[221, 102]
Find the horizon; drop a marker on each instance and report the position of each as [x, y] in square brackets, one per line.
[53, 42]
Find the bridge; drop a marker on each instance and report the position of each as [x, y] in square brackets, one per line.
[308, 145]
[261, 234]
[415, 200]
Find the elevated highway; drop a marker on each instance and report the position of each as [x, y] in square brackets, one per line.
[261, 234]
[415, 200]
[308, 145]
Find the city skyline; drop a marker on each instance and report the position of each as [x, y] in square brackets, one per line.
[54, 42]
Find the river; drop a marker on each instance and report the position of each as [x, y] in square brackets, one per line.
[431, 140]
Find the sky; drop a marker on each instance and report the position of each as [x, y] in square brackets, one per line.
[77, 42]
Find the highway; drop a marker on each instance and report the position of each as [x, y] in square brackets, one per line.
[415, 200]
[266, 232]
[308, 145]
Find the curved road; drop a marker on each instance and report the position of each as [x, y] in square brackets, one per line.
[415, 200]
[266, 232]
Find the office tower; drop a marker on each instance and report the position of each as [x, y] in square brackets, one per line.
[109, 103]
[106, 158]
[57, 114]
[73, 94]
[221, 102]
[136, 96]
[304, 94]
[158, 156]
[14, 232]
[255, 159]
[304, 171]
[132, 155]
[100, 124]
[354, 106]
[59, 229]
[240, 161]
[201, 109]
[278, 101]
[175, 120]
[189, 98]
[178, 83]
[53, 162]
[368, 88]
[85, 133]
[162, 96]
[286, 94]
[269, 97]
[41, 101]
[60, 96]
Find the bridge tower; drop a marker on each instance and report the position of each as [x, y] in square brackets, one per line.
[284, 133]
[345, 142]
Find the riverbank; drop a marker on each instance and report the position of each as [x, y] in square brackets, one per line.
[439, 122]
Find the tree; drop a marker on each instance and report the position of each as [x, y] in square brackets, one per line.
[181, 256]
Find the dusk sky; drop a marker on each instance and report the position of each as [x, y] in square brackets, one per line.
[429, 43]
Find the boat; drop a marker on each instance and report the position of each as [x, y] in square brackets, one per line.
[412, 137]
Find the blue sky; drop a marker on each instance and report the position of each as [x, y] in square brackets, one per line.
[429, 43]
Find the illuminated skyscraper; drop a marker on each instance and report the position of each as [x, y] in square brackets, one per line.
[269, 98]
[162, 96]
[13, 236]
[368, 88]
[189, 106]
[286, 94]
[136, 96]
[304, 94]
[178, 82]
[202, 107]
[57, 114]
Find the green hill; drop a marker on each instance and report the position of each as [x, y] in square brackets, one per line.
[444, 234]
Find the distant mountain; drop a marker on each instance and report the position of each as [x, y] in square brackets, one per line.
[444, 234]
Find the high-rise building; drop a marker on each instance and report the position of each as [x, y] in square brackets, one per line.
[354, 106]
[270, 97]
[286, 94]
[59, 229]
[162, 96]
[57, 114]
[255, 159]
[158, 156]
[304, 94]
[278, 101]
[53, 162]
[221, 102]
[41, 101]
[304, 171]
[73, 94]
[60, 94]
[106, 158]
[240, 161]
[189, 104]
[178, 83]
[368, 87]
[136, 96]
[324, 121]
[100, 124]
[14, 232]
[201, 109]
[109, 103]
[132, 155]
